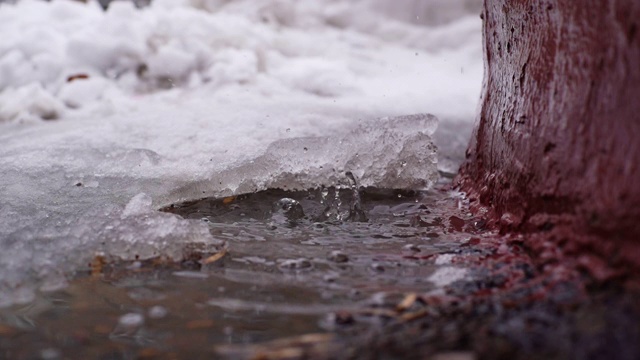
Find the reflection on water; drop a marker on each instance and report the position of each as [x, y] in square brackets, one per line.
[293, 261]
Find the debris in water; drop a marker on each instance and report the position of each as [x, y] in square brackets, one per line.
[406, 303]
[213, 258]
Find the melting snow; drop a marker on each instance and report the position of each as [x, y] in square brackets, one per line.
[108, 115]
[447, 275]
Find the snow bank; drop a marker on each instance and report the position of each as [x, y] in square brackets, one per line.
[106, 116]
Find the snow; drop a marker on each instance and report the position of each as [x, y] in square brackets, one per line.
[106, 116]
[444, 259]
[447, 275]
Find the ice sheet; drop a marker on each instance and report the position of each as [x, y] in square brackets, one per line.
[106, 116]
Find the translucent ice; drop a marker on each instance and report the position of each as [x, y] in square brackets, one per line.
[106, 116]
[394, 153]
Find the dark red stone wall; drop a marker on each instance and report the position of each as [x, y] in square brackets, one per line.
[556, 149]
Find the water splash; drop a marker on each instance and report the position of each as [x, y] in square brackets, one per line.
[287, 211]
[342, 202]
[356, 213]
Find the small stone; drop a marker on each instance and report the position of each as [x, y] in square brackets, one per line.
[377, 267]
[338, 256]
[295, 264]
[343, 318]
[330, 278]
[411, 248]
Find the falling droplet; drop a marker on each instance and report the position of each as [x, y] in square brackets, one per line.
[324, 192]
[355, 207]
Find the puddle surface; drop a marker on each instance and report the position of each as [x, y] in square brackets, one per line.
[292, 261]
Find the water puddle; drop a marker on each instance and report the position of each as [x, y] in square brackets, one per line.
[292, 261]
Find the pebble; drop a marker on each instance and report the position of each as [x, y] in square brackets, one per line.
[411, 247]
[295, 264]
[338, 256]
[377, 267]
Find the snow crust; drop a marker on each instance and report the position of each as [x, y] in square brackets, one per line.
[106, 116]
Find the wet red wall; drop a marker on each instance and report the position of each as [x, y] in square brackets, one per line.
[556, 150]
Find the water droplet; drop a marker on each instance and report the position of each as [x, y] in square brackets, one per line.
[305, 149]
[287, 210]
[158, 312]
[403, 163]
[131, 320]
